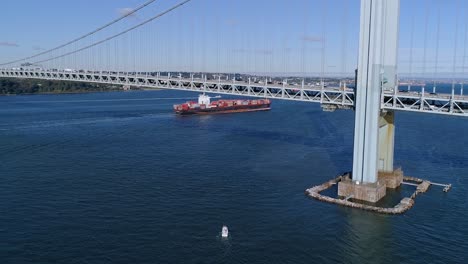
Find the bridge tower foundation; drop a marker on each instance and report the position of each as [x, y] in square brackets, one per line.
[386, 172]
[374, 130]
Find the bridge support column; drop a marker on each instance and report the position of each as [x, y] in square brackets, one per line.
[373, 134]
[386, 141]
[387, 174]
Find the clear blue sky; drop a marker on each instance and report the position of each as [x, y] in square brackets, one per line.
[230, 35]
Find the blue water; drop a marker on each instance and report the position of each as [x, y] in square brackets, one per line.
[118, 178]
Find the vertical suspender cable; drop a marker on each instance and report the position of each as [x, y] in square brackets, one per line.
[284, 68]
[192, 43]
[203, 42]
[344, 38]
[324, 28]
[437, 51]
[455, 43]
[465, 39]
[411, 51]
[303, 40]
[426, 25]
[180, 44]
[116, 55]
[218, 21]
[124, 53]
[133, 49]
[166, 45]
[264, 51]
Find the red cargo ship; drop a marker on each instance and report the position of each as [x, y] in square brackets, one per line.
[204, 106]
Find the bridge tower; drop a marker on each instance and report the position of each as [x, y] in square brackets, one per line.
[374, 129]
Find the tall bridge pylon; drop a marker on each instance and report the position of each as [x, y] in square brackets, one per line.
[374, 129]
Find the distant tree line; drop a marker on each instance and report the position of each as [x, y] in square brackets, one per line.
[11, 86]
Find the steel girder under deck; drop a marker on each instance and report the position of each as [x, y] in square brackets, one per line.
[336, 96]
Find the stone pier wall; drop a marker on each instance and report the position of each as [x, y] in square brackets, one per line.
[404, 205]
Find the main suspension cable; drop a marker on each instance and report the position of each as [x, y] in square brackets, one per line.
[116, 35]
[83, 36]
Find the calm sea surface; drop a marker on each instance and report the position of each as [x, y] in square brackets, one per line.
[118, 178]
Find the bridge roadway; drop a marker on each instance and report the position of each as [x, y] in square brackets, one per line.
[331, 98]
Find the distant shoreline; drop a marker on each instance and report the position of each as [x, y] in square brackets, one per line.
[83, 92]
[13, 86]
[58, 93]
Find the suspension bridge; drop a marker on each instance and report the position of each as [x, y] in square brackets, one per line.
[123, 55]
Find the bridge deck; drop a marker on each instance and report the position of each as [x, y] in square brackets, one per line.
[331, 98]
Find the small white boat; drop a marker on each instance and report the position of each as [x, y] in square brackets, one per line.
[224, 231]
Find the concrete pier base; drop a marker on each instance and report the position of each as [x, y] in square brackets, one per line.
[369, 192]
[392, 179]
[404, 205]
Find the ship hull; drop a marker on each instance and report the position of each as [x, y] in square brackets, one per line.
[225, 110]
